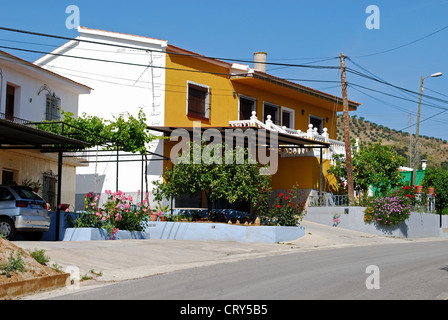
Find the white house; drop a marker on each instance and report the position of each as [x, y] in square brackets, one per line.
[31, 93]
[126, 72]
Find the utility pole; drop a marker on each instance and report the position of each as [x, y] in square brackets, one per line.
[410, 141]
[348, 149]
[416, 157]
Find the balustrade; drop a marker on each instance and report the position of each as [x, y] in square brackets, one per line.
[336, 147]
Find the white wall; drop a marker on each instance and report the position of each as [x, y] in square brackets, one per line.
[29, 104]
[117, 88]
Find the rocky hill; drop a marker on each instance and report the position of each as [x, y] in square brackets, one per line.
[434, 150]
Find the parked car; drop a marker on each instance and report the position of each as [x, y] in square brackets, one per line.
[22, 210]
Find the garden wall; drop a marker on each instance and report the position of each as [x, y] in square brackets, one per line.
[419, 225]
[194, 231]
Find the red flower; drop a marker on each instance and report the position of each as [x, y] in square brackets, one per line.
[280, 195]
[292, 204]
[278, 206]
[286, 198]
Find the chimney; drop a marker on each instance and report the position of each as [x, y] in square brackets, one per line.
[260, 61]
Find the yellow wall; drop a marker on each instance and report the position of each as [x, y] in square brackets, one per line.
[224, 93]
[32, 164]
[223, 106]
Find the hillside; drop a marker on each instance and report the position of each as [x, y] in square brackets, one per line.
[434, 150]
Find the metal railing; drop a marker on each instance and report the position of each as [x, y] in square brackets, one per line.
[337, 200]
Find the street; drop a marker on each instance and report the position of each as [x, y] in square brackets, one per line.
[414, 270]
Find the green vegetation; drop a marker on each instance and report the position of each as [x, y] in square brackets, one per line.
[13, 265]
[434, 150]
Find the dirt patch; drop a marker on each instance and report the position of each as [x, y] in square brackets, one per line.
[32, 268]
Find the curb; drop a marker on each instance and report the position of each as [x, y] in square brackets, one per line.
[14, 289]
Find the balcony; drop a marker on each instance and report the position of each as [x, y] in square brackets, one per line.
[336, 147]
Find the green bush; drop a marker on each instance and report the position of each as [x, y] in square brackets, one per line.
[438, 179]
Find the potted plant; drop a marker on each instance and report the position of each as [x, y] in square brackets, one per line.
[27, 182]
[36, 185]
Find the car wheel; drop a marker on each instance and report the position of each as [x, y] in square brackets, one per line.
[32, 236]
[7, 228]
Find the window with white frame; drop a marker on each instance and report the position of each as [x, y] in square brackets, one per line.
[198, 100]
[317, 122]
[272, 110]
[246, 106]
[53, 105]
[288, 117]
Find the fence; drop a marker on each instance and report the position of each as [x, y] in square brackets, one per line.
[337, 200]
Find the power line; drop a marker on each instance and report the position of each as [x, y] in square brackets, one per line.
[158, 51]
[395, 86]
[394, 96]
[404, 110]
[403, 45]
[111, 61]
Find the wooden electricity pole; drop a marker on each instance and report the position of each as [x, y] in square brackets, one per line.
[348, 149]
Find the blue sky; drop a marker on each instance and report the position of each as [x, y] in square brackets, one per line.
[296, 32]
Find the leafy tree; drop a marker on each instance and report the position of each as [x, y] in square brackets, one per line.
[236, 181]
[437, 178]
[373, 165]
[125, 132]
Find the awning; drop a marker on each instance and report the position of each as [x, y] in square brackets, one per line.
[19, 136]
[284, 139]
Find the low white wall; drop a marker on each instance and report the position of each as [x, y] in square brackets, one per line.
[194, 231]
[419, 225]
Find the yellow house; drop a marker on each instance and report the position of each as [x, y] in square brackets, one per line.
[217, 94]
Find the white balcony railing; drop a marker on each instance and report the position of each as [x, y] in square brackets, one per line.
[336, 147]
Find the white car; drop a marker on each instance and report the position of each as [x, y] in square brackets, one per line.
[22, 210]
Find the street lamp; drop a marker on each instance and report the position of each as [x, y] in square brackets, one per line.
[434, 75]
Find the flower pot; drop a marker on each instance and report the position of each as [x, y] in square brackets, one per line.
[153, 217]
[431, 190]
[419, 189]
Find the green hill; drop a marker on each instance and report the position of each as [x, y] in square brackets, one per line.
[434, 150]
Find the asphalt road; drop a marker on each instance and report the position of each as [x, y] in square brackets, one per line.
[414, 270]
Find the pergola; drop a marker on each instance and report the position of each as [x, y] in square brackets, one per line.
[22, 136]
[283, 140]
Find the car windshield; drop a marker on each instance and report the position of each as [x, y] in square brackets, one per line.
[26, 193]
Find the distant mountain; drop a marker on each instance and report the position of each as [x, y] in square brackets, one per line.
[434, 150]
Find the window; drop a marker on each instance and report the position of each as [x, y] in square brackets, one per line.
[247, 105]
[6, 195]
[49, 189]
[272, 110]
[198, 101]
[288, 118]
[10, 102]
[52, 108]
[8, 176]
[317, 123]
